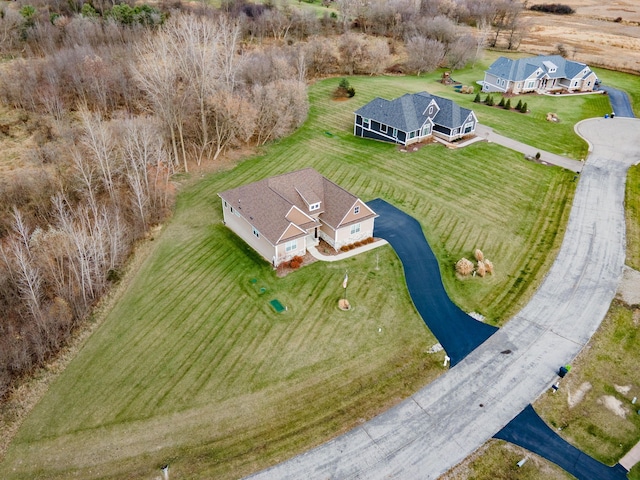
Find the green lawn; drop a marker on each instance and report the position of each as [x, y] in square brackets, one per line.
[632, 203]
[194, 368]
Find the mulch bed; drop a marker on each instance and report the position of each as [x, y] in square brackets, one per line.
[284, 269]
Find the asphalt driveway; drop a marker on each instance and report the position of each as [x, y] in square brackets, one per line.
[445, 422]
[456, 331]
[529, 431]
[619, 102]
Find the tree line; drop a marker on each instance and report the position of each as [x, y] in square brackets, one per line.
[117, 97]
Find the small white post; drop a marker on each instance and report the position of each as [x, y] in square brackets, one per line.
[447, 359]
[522, 462]
[165, 472]
[633, 402]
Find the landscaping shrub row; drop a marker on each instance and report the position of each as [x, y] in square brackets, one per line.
[359, 243]
[522, 107]
[296, 262]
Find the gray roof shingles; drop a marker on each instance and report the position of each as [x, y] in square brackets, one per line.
[523, 68]
[407, 113]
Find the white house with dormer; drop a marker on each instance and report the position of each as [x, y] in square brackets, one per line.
[541, 74]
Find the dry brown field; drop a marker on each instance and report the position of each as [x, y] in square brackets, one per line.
[600, 33]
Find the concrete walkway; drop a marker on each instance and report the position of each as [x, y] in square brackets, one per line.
[631, 458]
[315, 253]
[442, 424]
[487, 133]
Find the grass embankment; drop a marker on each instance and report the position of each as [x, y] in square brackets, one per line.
[498, 460]
[193, 368]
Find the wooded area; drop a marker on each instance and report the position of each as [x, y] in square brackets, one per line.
[117, 98]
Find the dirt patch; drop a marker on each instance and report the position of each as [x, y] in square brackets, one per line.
[629, 288]
[578, 395]
[599, 34]
[414, 147]
[613, 405]
[622, 389]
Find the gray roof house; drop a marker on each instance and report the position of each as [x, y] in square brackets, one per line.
[280, 216]
[541, 74]
[412, 118]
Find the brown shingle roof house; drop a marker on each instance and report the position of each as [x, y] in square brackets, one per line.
[279, 216]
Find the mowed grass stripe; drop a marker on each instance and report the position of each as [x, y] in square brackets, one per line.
[192, 338]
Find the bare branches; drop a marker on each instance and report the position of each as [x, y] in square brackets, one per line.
[425, 54]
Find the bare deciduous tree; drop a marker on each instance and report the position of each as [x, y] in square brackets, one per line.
[461, 51]
[281, 107]
[425, 54]
[100, 144]
[231, 118]
[507, 19]
[159, 77]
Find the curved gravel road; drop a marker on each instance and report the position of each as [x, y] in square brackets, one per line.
[443, 423]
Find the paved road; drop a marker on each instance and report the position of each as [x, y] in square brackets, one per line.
[422, 274]
[491, 136]
[619, 102]
[442, 424]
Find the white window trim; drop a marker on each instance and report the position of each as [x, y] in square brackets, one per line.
[384, 128]
[355, 228]
[356, 209]
[291, 245]
[256, 232]
[366, 122]
[314, 206]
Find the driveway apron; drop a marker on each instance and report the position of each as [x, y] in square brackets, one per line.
[619, 102]
[457, 332]
[529, 431]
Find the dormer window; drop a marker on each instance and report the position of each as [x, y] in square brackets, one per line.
[314, 206]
